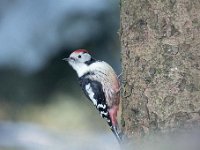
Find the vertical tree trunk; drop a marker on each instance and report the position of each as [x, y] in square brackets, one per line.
[161, 65]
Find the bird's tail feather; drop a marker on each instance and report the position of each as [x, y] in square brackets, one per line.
[117, 134]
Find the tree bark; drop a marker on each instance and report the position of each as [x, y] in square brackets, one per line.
[161, 65]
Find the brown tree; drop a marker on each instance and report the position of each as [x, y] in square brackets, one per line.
[161, 65]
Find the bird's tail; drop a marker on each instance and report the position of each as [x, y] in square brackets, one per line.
[116, 133]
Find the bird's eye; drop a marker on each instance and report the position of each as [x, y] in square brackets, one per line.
[79, 56]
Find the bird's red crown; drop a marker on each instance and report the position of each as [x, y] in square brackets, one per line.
[81, 51]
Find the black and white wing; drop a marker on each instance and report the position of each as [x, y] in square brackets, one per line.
[94, 92]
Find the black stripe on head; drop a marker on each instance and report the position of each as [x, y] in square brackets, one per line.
[92, 60]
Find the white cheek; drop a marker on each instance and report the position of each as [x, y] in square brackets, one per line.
[86, 57]
[80, 68]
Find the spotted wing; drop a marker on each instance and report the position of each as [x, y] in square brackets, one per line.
[94, 92]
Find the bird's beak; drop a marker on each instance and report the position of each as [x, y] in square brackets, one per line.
[69, 59]
[65, 59]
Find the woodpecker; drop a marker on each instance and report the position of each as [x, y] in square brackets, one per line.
[100, 85]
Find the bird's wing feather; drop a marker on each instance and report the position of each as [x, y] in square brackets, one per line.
[94, 92]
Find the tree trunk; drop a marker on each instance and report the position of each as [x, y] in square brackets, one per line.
[161, 65]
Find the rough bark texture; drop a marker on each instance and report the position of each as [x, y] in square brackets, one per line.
[161, 65]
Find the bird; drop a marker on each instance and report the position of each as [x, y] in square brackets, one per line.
[100, 84]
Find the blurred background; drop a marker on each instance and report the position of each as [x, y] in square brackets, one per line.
[41, 103]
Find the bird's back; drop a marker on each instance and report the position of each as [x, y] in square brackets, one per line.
[108, 78]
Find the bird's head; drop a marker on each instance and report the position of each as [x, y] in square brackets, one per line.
[78, 56]
[79, 60]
